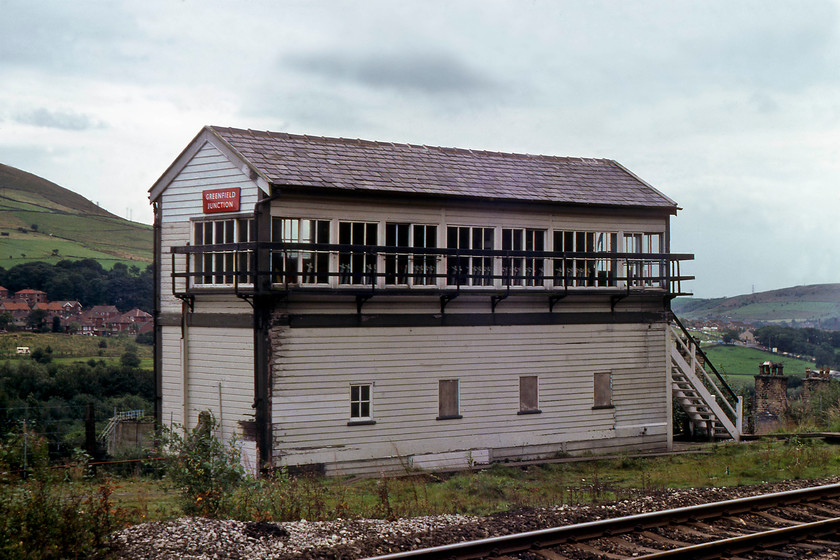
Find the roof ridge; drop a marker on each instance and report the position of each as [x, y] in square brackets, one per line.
[284, 158]
[365, 142]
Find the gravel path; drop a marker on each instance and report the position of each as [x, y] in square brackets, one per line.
[206, 539]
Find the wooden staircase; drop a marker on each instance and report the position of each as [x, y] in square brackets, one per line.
[711, 405]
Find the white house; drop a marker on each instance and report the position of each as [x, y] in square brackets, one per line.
[360, 307]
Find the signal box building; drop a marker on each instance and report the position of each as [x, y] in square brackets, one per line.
[365, 307]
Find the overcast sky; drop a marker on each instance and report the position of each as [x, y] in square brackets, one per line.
[730, 108]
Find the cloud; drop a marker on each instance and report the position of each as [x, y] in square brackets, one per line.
[63, 120]
[424, 73]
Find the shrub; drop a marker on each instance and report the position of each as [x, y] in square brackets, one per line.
[201, 467]
[47, 519]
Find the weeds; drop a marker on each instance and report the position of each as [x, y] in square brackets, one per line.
[43, 518]
[201, 467]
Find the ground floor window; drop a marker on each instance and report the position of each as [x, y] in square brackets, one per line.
[360, 402]
[603, 390]
[448, 405]
[528, 394]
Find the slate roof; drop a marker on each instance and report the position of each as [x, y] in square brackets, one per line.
[380, 167]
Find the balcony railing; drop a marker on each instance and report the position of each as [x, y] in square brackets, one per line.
[262, 266]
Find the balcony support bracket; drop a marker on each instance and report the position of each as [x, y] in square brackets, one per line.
[360, 301]
[552, 300]
[494, 300]
[189, 299]
[615, 299]
[445, 299]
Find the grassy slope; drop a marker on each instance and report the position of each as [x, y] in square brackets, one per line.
[819, 302]
[67, 225]
[740, 364]
[70, 347]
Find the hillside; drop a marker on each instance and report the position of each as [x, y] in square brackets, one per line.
[41, 221]
[816, 305]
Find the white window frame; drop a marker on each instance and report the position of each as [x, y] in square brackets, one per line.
[291, 230]
[411, 276]
[473, 277]
[357, 403]
[219, 268]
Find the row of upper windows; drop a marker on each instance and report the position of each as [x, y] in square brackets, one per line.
[417, 268]
[362, 395]
[297, 230]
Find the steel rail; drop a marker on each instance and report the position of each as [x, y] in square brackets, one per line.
[545, 538]
[748, 543]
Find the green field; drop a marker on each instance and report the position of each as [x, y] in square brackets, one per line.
[739, 364]
[20, 248]
[72, 347]
[41, 221]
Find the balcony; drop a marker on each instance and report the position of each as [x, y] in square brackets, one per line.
[362, 270]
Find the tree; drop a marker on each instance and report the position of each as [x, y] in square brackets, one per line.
[41, 356]
[730, 335]
[56, 324]
[130, 358]
[37, 320]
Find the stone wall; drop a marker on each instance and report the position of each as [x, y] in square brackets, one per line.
[771, 404]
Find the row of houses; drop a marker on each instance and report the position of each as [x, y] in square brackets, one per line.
[99, 320]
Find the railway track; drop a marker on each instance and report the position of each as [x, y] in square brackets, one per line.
[792, 524]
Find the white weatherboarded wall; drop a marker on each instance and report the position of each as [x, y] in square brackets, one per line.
[314, 368]
[181, 203]
[203, 368]
[221, 377]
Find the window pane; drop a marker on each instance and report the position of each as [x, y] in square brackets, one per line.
[360, 401]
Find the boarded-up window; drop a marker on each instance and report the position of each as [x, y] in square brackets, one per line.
[528, 394]
[603, 390]
[448, 399]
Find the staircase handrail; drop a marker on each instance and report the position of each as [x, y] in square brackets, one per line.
[106, 433]
[706, 360]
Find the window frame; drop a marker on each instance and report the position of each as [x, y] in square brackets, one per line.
[648, 273]
[289, 229]
[222, 268]
[524, 407]
[416, 236]
[359, 401]
[452, 404]
[602, 390]
[515, 269]
[467, 237]
[585, 272]
[350, 262]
